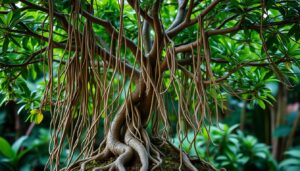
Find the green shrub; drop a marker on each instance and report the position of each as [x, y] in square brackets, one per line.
[292, 161]
[227, 147]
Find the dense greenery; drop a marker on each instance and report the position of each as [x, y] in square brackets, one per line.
[233, 151]
[108, 76]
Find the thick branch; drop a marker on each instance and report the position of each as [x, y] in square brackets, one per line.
[159, 32]
[181, 11]
[135, 6]
[188, 23]
[59, 16]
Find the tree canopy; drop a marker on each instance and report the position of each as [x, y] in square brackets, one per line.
[140, 67]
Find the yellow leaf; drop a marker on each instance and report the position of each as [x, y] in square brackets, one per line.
[38, 118]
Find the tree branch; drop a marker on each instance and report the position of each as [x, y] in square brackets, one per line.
[27, 62]
[60, 16]
[173, 32]
[114, 34]
[187, 47]
[100, 51]
[135, 6]
[181, 11]
[234, 16]
[183, 62]
[159, 32]
[146, 36]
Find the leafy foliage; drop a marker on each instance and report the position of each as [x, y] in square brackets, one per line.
[292, 162]
[25, 153]
[227, 147]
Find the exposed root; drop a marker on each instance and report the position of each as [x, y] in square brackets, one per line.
[139, 148]
[82, 163]
[119, 163]
[124, 144]
[186, 161]
[150, 147]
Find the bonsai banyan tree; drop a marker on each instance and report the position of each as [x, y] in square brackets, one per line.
[135, 65]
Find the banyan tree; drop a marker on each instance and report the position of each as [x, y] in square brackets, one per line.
[123, 77]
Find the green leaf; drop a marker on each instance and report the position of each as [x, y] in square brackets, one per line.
[268, 75]
[261, 104]
[6, 149]
[14, 41]
[5, 45]
[25, 42]
[271, 41]
[22, 153]
[8, 18]
[23, 86]
[294, 31]
[289, 162]
[233, 127]
[293, 153]
[20, 109]
[16, 146]
[261, 155]
[3, 99]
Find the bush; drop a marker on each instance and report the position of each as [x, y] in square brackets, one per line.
[292, 162]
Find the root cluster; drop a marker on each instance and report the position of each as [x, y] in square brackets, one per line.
[125, 147]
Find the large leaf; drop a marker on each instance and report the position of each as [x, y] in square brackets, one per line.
[290, 162]
[16, 146]
[6, 150]
[293, 153]
[282, 131]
